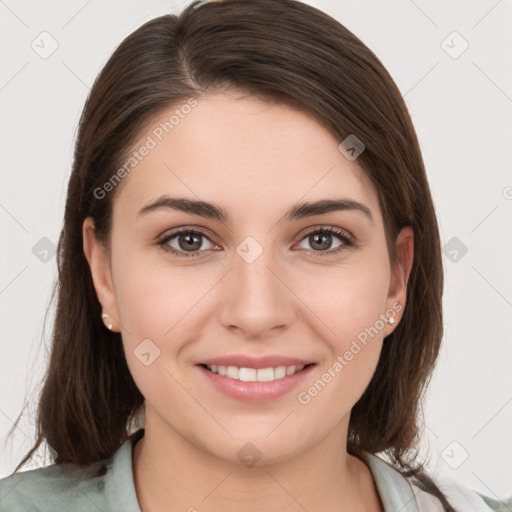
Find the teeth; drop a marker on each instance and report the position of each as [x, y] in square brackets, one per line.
[280, 372]
[253, 374]
[247, 374]
[232, 372]
[265, 374]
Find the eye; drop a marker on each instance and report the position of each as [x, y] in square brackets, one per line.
[321, 240]
[188, 241]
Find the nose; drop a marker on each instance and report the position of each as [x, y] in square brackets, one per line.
[256, 300]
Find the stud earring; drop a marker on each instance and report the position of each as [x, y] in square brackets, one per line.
[109, 326]
[391, 320]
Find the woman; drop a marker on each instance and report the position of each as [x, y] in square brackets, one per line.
[250, 264]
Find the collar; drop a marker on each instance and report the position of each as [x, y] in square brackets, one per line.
[394, 490]
[120, 486]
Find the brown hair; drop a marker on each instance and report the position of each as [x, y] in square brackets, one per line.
[279, 50]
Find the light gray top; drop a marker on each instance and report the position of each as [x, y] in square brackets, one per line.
[108, 485]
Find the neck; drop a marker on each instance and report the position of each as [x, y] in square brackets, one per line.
[172, 474]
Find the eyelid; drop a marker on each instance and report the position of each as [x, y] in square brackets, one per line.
[326, 228]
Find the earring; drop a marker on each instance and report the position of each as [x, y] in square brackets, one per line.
[391, 320]
[109, 326]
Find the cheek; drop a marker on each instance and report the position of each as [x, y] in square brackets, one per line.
[347, 299]
[347, 303]
[347, 310]
[152, 295]
[156, 308]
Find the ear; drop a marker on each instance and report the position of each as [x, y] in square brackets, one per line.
[99, 264]
[397, 293]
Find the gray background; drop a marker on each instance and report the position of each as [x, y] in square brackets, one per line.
[461, 105]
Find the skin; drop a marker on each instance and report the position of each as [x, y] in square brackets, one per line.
[256, 160]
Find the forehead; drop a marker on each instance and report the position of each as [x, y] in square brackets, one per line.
[249, 155]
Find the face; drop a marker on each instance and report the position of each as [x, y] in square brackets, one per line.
[267, 287]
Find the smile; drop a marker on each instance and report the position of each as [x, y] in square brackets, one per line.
[245, 374]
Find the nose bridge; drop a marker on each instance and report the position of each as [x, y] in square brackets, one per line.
[257, 300]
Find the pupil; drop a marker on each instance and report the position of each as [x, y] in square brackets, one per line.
[189, 241]
[319, 238]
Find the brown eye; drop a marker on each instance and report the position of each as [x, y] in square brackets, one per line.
[321, 240]
[185, 241]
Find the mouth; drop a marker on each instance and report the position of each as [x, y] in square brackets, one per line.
[255, 385]
[248, 374]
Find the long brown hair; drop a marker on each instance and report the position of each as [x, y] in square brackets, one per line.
[283, 51]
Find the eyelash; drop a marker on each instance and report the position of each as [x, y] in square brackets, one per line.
[347, 240]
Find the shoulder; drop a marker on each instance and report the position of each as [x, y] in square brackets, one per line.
[461, 497]
[52, 488]
[402, 493]
[103, 485]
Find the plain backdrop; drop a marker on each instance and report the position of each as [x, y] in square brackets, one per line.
[450, 59]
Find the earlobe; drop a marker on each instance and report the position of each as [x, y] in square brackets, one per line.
[99, 266]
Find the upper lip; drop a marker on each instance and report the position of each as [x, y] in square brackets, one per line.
[245, 361]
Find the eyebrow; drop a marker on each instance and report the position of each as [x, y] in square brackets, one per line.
[217, 212]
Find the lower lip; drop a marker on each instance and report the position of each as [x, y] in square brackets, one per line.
[256, 391]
